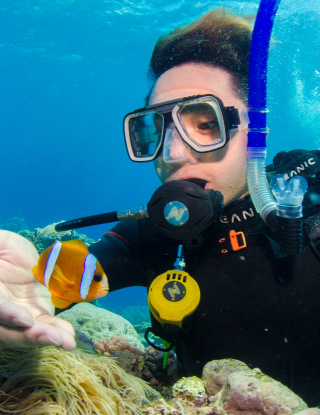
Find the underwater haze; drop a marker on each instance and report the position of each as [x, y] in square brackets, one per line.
[71, 69]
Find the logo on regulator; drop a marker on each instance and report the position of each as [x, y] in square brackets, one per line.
[176, 213]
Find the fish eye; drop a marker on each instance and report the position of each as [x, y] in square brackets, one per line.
[97, 277]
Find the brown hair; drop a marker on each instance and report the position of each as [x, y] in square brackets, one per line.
[219, 38]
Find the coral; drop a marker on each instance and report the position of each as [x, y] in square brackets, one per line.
[109, 346]
[43, 238]
[14, 224]
[216, 372]
[160, 378]
[97, 323]
[52, 381]
[244, 392]
[190, 389]
[161, 407]
[129, 357]
[253, 392]
[84, 342]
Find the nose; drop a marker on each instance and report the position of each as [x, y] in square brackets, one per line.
[175, 150]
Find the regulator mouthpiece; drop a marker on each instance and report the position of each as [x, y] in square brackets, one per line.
[181, 209]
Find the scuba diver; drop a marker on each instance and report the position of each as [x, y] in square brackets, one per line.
[243, 296]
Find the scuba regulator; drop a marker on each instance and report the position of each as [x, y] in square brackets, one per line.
[179, 209]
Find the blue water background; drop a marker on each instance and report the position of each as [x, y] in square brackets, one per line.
[71, 69]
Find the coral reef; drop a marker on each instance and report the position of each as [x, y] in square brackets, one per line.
[252, 391]
[237, 391]
[97, 323]
[129, 357]
[216, 372]
[109, 346]
[14, 224]
[141, 329]
[135, 314]
[52, 381]
[100, 330]
[43, 238]
[191, 389]
[156, 375]
[227, 387]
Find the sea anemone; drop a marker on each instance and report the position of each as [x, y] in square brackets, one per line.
[52, 381]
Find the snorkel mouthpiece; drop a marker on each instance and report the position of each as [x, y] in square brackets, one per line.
[289, 195]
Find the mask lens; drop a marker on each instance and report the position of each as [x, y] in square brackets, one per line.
[202, 123]
[145, 132]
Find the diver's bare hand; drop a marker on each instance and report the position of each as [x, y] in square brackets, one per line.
[26, 312]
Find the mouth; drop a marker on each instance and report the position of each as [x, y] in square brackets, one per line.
[199, 182]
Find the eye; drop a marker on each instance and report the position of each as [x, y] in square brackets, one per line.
[207, 125]
[97, 277]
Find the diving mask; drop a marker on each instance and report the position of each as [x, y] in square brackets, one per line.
[202, 121]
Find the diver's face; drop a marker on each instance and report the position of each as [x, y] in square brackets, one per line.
[224, 169]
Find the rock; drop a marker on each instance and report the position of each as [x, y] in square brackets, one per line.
[97, 323]
[191, 389]
[130, 362]
[251, 392]
[216, 372]
[244, 392]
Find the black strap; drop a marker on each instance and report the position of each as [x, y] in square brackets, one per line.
[295, 162]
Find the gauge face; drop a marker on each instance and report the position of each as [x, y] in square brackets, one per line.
[174, 291]
[176, 213]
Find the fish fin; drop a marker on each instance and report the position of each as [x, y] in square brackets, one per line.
[57, 294]
[58, 275]
[59, 302]
[35, 271]
[37, 274]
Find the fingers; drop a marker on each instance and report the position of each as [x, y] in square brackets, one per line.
[18, 328]
[39, 334]
[14, 315]
[63, 327]
[49, 330]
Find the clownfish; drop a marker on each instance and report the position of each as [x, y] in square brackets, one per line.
[71, 273]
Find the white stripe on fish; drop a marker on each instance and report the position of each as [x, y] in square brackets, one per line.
[51, 262]
[90, 265]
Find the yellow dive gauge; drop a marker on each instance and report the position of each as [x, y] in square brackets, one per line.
[173, 296]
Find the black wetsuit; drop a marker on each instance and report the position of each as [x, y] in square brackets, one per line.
[256, 306]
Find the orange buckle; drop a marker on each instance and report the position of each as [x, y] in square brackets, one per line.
[238, 241]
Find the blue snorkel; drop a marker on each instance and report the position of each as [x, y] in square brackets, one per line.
[283, 211]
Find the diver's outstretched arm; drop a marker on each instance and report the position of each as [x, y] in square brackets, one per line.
[26, 312]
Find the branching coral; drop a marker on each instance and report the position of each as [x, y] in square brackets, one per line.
[47, 381]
